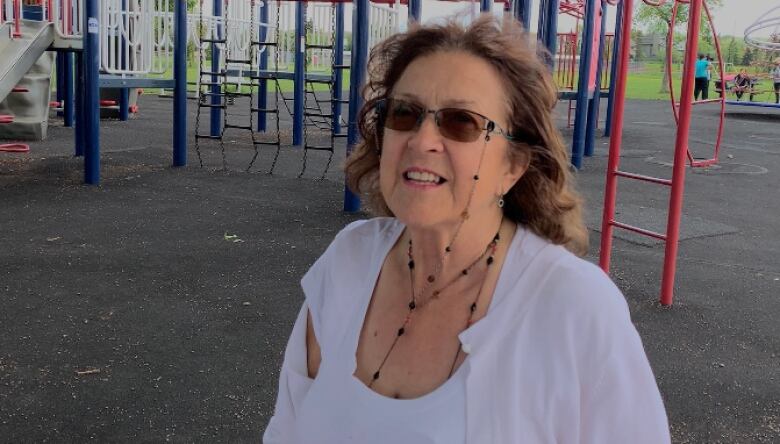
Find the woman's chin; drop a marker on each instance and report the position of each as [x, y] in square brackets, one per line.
[419, 219]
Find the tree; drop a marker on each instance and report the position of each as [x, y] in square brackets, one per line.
[747, 59]
[659, 19]
[731, 51]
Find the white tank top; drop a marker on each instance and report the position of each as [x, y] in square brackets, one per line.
[339, 408]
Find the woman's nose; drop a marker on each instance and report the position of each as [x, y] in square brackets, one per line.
[427, 136]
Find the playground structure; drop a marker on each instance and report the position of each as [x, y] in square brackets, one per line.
[769, 21]
[114, 37]
[246, 48]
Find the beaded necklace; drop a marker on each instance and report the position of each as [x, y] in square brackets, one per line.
[489, 253]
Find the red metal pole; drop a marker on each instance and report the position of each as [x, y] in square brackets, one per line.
[722, 73]
[680, 153]
[615, 142]
[17, 19]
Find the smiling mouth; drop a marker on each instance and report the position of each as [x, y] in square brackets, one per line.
[423, 178]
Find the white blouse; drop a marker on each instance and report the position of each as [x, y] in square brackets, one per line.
[555, 360]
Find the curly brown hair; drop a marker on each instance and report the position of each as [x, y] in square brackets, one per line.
[544, 199]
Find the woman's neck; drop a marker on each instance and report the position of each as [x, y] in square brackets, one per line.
[467, 241]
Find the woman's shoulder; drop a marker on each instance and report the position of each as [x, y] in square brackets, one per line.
[374, 229]
[338, 281]
[356, 245]
[570, 286]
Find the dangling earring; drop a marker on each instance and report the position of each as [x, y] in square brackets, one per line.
[501, 201]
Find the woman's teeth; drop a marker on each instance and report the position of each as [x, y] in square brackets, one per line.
[420, 176]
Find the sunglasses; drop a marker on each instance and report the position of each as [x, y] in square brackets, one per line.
[457, 124]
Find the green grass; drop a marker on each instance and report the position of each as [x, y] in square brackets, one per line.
[645, 85]
[285, 85]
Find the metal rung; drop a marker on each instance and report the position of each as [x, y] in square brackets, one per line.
[241, 61]
[213, 40]
[238, 94]
[341, 66]
[209, 73]
[324, 116]
[638, 230]
[319, 147]
[339, 136]
[264, 43]
[268, 143]
[243, 127]
[319, 47]
[204, 136]
[643, 178]
[265, 110]
[339, 100]
[210, 105]
[264, 77]
[211, 94]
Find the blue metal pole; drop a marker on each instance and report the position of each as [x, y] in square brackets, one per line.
[67, 92]
[523, 12]
[124, 93]
[485, 5]
[552, 30]
[91, 94]
[79, 141]
[60, 70]
[614, 70]
[583, 84]
[595, 102]
[357, 78]
[338, 75]
[415, 10]
[262, 87]
[541, 26]
[299, 82]
[548, 28]
[216, 113]
[180, 87]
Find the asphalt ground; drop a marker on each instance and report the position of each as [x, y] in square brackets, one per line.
[155, 307]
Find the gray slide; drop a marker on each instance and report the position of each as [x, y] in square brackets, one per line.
[25, 80]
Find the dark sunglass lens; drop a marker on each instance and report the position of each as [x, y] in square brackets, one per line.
[459, 125]
[401, 116]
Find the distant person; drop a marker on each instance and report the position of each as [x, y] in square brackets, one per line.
[742, 83]
[776, 80]
[701, 85]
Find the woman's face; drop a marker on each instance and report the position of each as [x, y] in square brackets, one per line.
[425, 177]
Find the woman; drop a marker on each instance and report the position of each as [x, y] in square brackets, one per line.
[742, 83]
[463, 316]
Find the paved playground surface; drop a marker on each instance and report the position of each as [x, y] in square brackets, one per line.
[156, 306]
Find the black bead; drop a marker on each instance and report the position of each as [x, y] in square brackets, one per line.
[412, 305]
[476, 177]
[490, 260]
[473, 307]
[401, 331]
[411, 265]
[448, 249]
[376, 375]
[465, 271]
[431, 278]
